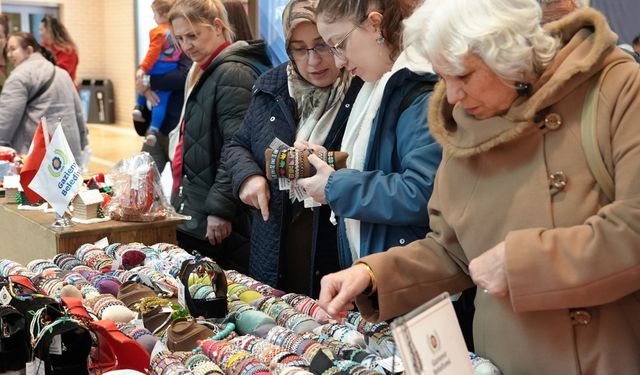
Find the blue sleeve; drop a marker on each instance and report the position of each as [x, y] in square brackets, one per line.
[173, 80]
[398, 198]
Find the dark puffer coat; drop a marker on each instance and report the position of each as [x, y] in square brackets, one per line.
[273, 113]
[214, 110]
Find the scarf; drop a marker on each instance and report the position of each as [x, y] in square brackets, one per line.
[317, 106]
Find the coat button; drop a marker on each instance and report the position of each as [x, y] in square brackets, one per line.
[402, 241]
[557, 182]
[272, 119]
[580, 317]
[553, 121]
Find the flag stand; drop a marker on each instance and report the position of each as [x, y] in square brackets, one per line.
[62, 222]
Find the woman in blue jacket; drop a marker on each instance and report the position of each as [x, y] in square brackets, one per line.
[307, 98]
[381, 197]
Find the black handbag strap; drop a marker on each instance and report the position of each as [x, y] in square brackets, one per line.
[44, 87]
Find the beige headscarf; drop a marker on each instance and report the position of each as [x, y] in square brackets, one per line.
[317, 106]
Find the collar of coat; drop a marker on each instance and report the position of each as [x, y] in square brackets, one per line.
[588, 45]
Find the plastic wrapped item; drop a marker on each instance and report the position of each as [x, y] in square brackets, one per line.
[137, 193]
[7, 153]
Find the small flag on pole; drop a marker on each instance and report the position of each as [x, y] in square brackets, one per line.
[58, 179]
[34, 159]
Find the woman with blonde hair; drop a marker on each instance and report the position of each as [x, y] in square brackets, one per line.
[57, 39]
[537, 199]
[217, 95]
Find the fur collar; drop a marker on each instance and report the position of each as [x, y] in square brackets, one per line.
[586, 41]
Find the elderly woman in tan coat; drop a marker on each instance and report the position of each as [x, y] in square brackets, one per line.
[516, 209]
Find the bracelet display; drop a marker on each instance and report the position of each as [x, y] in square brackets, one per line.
[293, 163]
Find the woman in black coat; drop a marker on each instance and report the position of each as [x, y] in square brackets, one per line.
[217, 97]
[308, 99]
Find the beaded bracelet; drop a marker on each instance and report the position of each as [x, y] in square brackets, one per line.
[272, 163]
[331, 159]
[292, 164]
[282, 164]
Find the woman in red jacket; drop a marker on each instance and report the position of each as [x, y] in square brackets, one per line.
[57, 39]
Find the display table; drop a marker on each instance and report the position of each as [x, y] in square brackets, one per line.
[27, 235]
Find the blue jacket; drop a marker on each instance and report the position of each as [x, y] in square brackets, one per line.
[273, 113]
[390, 195]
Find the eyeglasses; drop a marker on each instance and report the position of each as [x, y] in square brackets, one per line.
[301, 54]
[338, 49]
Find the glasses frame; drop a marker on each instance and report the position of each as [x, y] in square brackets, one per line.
[308, 51]
[337, 50]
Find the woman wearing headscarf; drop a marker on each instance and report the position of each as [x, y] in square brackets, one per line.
[519, 208]
[307, 98]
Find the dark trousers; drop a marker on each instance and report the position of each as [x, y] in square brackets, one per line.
[232, 254]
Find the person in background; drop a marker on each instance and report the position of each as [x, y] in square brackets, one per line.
[556, 259]
[238, 20]
[162, 57]
[5, 64]
[56, 38]
[174, 82]
[217, 96]
[37, 88]
[306, 98]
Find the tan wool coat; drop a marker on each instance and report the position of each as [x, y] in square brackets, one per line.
[572, 260]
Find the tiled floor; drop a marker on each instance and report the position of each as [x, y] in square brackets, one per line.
[110, 143]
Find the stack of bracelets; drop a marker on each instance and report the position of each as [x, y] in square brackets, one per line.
[232, 359]
[289, 163]
[343, 333]
[66, 261]
[198, 363]
[293, 342]
[285, 315]
[9, 267]
[347, 351]
[251, 283]
[38, 266]
[307, 305]
[268, 353]
[379, 334]
[166, 363]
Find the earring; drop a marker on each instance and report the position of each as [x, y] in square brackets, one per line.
[380, 39]
[523, 88]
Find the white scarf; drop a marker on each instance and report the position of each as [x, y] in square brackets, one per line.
[358, 130]
[317, 106]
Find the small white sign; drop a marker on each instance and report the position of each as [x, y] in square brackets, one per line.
[35, 367]
[158, 348]
[5, 296]
[12, 182]
[430, 340]
[102, 243]
[56, 345]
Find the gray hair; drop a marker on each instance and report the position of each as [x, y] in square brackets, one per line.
[505, 34]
